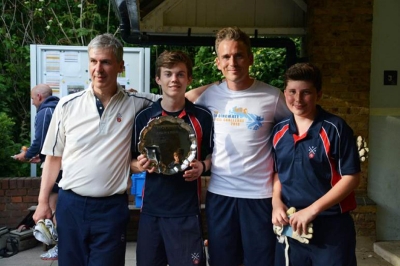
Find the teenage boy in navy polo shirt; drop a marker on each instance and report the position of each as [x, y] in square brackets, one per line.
[318, 169]
[169, 225]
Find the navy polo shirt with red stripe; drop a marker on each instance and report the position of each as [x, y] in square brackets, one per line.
[310, 165]
[171, 195]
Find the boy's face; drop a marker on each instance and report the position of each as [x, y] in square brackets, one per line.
[233, 60]
[301, 98]
[174, 81]
[176, 157]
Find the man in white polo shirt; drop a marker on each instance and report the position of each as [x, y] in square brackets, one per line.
[90, 136]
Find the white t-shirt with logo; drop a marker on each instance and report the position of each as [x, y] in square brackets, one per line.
[242, 163]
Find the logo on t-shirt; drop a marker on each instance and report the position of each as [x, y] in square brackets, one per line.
[311, 151]
[196, 258]
[119, 117]
[239, 115]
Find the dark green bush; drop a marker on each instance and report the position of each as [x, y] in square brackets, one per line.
[9, 167]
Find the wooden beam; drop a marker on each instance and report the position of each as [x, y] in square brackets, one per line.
[301, 4]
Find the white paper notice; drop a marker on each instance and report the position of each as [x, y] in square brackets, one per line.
[71, 66]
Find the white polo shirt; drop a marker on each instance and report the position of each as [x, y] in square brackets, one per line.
[95, 150]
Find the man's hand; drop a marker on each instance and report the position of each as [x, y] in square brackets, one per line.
[35, 159]
[42, 212]
[287, 230]
[21, 156]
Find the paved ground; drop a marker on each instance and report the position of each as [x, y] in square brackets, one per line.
[365, 256]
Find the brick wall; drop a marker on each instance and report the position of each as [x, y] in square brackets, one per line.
[365, 216]
[339, 37]
[18, 194]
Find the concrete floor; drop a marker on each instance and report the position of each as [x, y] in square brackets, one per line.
[389, 250]
[365, 255]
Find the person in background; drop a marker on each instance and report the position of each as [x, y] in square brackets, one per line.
[45, 103]
[169, 225]
[317, 171]
[178, 156]
[90, 136]
[238, 201]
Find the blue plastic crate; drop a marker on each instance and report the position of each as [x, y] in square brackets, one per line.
[137, 187]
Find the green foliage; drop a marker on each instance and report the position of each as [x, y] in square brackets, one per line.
[205, 71]
[23, 23]
[269, 64]
[9, 167]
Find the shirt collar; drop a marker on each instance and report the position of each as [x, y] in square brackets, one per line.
[315, 126]
[156, 109]
[120, 89]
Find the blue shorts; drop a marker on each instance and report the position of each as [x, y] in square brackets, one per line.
[175, 241]
[239, 231]
[333, 243]
[91, 231]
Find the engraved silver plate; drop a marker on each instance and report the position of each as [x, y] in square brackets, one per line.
[169, 143]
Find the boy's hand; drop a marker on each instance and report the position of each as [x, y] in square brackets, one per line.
[287, 230]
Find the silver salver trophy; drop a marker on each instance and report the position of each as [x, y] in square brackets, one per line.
[169, 143]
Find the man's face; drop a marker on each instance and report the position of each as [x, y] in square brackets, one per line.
[174, 81]
[233, 60]
[35, 99]
[104, 68]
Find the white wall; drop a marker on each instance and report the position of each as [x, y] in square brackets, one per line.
[384, 131]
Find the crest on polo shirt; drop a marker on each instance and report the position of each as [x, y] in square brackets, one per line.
[119, 117]
[196, 258]
[311, 151]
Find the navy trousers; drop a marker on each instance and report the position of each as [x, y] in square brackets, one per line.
[91, 231]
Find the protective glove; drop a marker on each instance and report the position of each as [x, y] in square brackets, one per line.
[45, 231]
[363, 150]
[288, 231]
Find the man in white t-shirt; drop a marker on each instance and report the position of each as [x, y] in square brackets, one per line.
[238, 202]
[90, 136]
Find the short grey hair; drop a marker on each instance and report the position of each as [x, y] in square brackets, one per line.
[43, 89]
[108, 41]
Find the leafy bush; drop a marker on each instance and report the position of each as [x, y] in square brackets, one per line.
[9, 167]
[66, 22]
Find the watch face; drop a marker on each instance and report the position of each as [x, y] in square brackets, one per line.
[169, 143]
